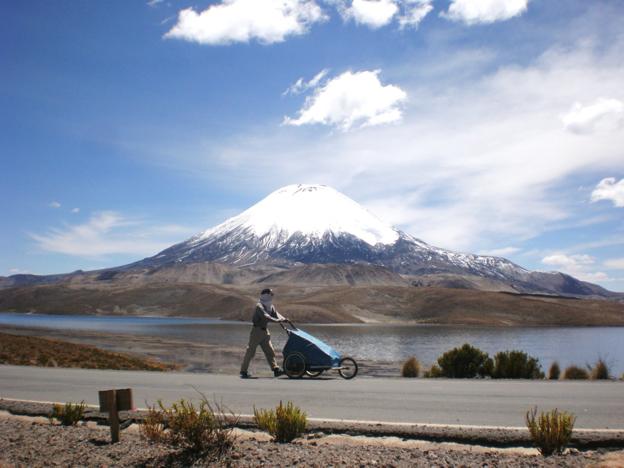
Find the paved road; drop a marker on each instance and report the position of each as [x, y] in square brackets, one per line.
[598, 405]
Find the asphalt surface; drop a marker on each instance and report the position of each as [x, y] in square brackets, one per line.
[597, 405]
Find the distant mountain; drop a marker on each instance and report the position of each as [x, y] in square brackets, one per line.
[312, 235]
[315, 224]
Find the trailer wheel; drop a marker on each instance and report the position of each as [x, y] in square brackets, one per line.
[295, 365]
[314, 373]
[348, 368]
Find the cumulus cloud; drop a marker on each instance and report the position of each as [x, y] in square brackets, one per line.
[372, 13]
[577, 265]
[484, 11]
[54, 204]
[75, 210]
[352, 98]
[107, 233]
[603, 113]
[609, 189]
[301, 85]
[378, 13]
[230, 21]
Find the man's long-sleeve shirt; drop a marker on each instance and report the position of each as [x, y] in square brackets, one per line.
[262, 317]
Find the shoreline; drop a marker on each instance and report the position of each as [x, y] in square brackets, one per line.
[364, 323]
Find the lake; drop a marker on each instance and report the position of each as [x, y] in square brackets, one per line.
[568, 345]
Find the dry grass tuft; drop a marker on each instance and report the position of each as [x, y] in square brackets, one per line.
[411, 368]
[69, 414]
[284, 424]
[600, 371]
[550, 431]
[575, 373]
[554, 372]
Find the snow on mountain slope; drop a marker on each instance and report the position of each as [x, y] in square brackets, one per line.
[312, 210]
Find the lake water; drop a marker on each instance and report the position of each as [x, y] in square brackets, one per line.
[568, 345]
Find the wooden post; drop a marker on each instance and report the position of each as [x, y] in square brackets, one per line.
[111, 402]
[113, 416]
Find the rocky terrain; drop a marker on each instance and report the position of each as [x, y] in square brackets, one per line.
[33, 441]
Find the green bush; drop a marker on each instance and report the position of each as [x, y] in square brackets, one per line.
[284, 424]
[575, 373]
[411, 368]
[202, 430]
[516, 365]
[550, 431]
[554, 371]
[68, 414]
[433, 372]
[600, 371]
[465, 362]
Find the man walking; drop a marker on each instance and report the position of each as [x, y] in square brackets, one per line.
[265, 312]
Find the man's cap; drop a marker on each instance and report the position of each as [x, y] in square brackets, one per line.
[267, 291]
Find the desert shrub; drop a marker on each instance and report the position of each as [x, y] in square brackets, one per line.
[68, 414]
[284, 424]
[600, 371]
[550, 431]
[465, 362]
[554, 371]
[433, 372]
[203, 430]
[516, 365]
[153, 426]
[575, 373]
[411, 368]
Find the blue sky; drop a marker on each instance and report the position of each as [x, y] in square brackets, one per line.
[488, 126]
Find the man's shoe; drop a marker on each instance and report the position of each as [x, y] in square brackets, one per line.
[245, 375]
[277, 372]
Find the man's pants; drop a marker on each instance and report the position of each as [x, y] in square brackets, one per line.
[259, 336]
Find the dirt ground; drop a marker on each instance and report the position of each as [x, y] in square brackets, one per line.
[34, 441]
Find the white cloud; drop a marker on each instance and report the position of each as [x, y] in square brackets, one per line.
[602, 114]
[229, 21]
[615, 263]
[352, 98]
[75, 210]
[301, 85]
[154, 3]
[501, 252]
[578, 265]
[414, 12]
[568, 261]
[54, 204]
[378, 13]
[609, 189]
[484, 11]
[107, 233]
[372, 13]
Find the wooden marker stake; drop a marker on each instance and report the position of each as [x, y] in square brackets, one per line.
[111, 402]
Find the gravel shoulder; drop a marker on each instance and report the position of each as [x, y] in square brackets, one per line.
[33, 441]
[28, 438]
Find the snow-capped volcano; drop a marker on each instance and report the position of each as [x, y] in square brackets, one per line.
[315, 224]
[309, 210]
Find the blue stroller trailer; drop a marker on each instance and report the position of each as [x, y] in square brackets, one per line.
[306, 355]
